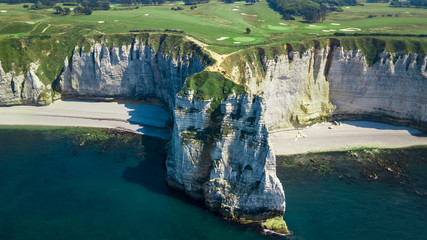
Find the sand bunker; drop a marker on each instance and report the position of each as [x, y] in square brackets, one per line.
[335, 24]
[312, 25]
[31, 23]
[146, 14]
[222, 38]
[278, 28]
[350, 29]
[101, 21]
[234, 9]
[236, 42]
[3, 11]
[244, 14]
[261, 20]
[284, 24]
[347, 7]
[325, 31]
[116, 20]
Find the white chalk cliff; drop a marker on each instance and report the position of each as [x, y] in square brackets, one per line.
[225, 157]
[338, 83]
[20, 88]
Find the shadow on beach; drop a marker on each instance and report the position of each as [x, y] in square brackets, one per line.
[385, 126]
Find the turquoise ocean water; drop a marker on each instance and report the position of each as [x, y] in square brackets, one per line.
[54, 185]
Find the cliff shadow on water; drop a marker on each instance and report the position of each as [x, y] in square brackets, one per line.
[150, 172]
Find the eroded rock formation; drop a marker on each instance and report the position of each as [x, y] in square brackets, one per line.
[222, 155]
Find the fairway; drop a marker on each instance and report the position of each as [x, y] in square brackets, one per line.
[244, 39]
[222, 26]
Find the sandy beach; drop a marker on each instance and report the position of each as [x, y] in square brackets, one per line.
[349, 134]
[150, 120]
[138, 118]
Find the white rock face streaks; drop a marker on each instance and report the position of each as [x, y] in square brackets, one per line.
[129, 71]
[396, 90]
[338, 83]
[17, 88]
[227, 158]
[294, 91]
[223, 158]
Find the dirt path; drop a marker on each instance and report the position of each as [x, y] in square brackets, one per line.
[44, 30]
[218, 57]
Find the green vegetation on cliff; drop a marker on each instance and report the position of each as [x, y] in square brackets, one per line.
[51, 51]
[372, 47]
[211, 85]
[220, 25]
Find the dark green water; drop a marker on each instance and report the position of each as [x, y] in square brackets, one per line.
[51, 188]
[338, 199]
[63, 184]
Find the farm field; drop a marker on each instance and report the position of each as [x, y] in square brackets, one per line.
[220, 25]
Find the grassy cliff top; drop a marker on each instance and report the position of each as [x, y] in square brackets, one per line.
[371, 47]
[50, 51]
[220, 25]
[211, 85]
[41, 36]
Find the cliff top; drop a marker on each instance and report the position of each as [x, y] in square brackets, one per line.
[222, 26]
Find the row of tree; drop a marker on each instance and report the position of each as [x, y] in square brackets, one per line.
[409, 3]
[195, 2]
[145, 2]
[311, 10]
[251, 2]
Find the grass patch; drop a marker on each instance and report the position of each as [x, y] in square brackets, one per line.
[371, 47]
[244, 39]
[218, 18]
[50, 51]
[211, 85]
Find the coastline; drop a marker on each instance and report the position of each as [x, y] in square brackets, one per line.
[142, 119]
[345, 135]
[150, 119]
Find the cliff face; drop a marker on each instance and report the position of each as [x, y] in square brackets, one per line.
[387, 89]
[218, 154]
[129, 71]
[19, 88]
[338, 83]
[225, 157]
[293, 87]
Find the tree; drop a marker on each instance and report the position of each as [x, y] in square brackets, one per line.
[78, 11]
[59, 10]
[67, 11]
[87, 11]
[250, 2]
[248, 30]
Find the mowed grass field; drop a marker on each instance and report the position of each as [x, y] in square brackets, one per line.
[220, 25]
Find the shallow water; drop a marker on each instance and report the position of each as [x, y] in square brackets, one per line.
[59, 184]
[321, 206]
[51, 188]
